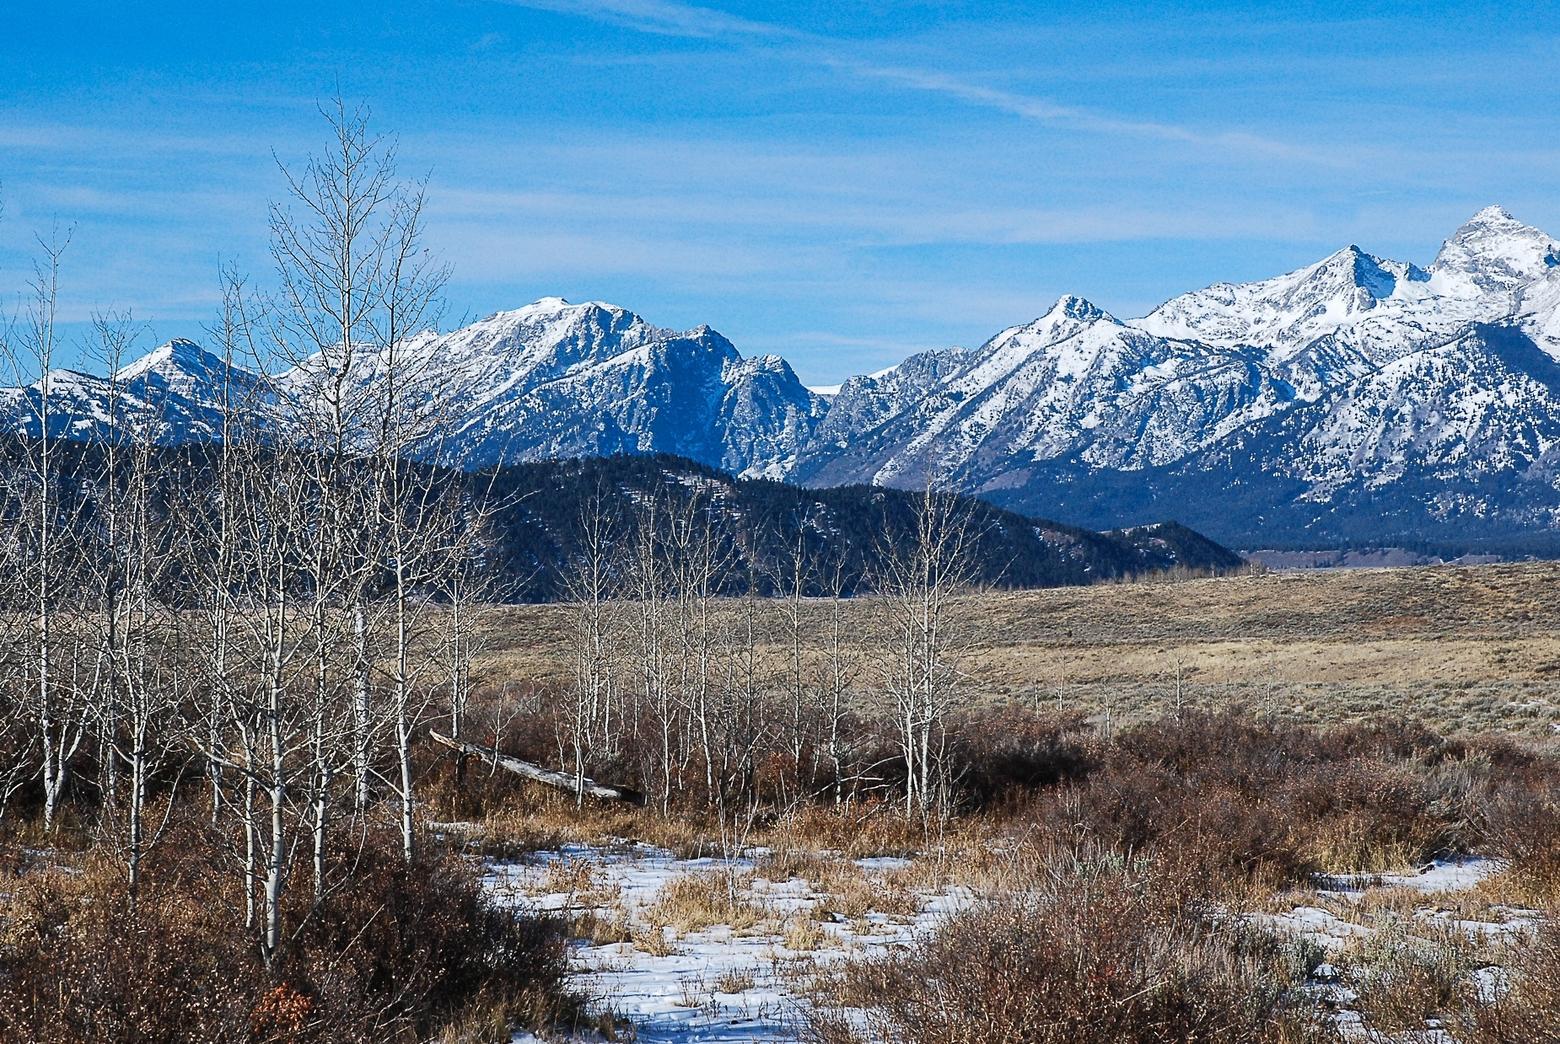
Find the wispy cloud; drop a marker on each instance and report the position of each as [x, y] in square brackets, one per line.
[689, 21]
[664, 18]
[1044, 110]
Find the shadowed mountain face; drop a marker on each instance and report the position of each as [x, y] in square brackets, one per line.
[1288, 410]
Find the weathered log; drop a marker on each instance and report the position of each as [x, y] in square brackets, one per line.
[536, 773]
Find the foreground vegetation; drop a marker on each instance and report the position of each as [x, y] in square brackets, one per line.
[1134, 885]
[408, 952]
[1124, 882]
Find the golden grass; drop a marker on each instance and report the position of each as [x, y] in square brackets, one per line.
[803, 934]
[1471, 647]
[654, 939]
[602, 927]
[697, 901]
[736, 980]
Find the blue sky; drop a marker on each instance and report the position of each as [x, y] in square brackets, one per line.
[841, 183]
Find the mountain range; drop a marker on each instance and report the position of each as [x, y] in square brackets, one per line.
[1356, 400]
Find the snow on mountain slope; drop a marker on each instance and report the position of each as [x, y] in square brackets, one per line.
[862, 403]
[1353, 373]
[1486, 404]
[555, 379]
[1075, 380]
[1288, 311]
[1494, 255]
[176, 392]
[1367, 310]
[1354, 378]
[1538, 311]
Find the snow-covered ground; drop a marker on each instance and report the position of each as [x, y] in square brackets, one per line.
[747, 981]
[1340, 919]
[714, 984]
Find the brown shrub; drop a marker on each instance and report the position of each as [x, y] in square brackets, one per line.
[399, 954]
[995, 753]
[1525, 1000]
[1093, 951]
[1522, 825]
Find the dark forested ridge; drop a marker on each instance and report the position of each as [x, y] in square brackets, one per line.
[837, 539]
[843, 533]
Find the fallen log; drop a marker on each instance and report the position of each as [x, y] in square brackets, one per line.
[561, 780]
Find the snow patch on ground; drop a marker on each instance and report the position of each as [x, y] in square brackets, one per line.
[1336, 933]
[690, 994]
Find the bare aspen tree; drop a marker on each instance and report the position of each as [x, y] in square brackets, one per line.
[238, 401]
[16, 738]
[839, 666]
[588, 589]
[735, 730]
[321, 242]
[235, 585]
[408, 395]
[275, 729]
[792, 576]
[136, 699]
[357, 285]
[651, 588]
[919, 581]
[54, 707]
[329, 241]
[698, 563]
[14, 763]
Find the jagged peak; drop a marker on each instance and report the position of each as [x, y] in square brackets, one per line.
[1081, 309]
[1497, 251]
[1493, 218]
[180, 355]
[756, 364]
[1355, 267]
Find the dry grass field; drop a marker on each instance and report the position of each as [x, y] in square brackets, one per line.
[1461, 648]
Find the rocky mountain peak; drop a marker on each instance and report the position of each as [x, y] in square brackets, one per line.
[1493, 252]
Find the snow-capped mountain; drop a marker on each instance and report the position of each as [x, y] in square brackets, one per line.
[1425, 404]
[178, 392]
[1483, 405]
[862, 403]
[1290, 311]
[1354, 392]
[1494, 255]
[552, 379]
[1075, 380]
[555, 379]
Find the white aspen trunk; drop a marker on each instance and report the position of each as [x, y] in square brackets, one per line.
[403, 714]
[361, 739]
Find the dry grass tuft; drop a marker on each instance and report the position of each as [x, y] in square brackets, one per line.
[803, 934]
[698, 901]
[654, 938]
[736, 980]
